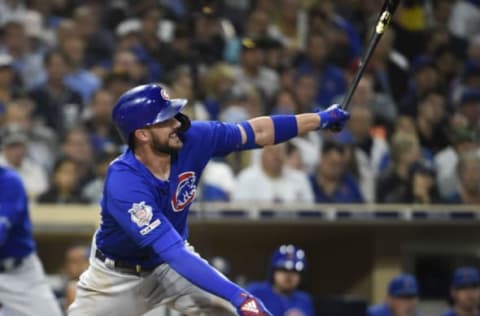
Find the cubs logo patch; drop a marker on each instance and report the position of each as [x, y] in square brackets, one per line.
[141, 214]
[185, 192]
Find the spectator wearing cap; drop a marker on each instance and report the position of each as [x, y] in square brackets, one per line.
[330, 78]
[280, 293]
[465, 292]
[468, 172]
[402, 298]
[330, 182]
[251, 71]
[15, 155]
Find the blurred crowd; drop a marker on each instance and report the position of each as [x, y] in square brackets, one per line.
[413, 136]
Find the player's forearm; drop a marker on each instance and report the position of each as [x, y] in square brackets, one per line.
[200, 273]
[269, 130]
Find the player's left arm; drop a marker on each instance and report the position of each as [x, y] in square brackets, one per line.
[269, 130]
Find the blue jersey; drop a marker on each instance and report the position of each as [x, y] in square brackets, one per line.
[16, 239]
[297, 304]
[138, 209]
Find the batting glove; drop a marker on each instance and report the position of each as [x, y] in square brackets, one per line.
[251, 306]
[333, 117]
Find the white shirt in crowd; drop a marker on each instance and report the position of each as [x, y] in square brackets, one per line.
[254, 185]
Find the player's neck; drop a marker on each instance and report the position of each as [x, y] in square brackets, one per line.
[158, 164]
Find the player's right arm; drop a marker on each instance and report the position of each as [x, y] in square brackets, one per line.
[269, 130]
[129, 198]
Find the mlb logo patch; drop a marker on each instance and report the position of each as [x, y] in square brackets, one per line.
[141, 214]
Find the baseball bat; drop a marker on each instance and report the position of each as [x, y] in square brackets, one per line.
[383, 21]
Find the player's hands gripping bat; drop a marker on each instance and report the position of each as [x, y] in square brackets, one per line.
[333, 116]
[383, 21]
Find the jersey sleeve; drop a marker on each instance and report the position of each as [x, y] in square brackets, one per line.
[130, 200]
[218, 137]
[13, 204]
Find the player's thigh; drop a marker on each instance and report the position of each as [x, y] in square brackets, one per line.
[102, 291]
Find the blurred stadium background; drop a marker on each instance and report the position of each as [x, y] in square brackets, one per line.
[397, 190]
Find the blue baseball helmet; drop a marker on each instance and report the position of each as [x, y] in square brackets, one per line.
[288, 257]
[147, 105]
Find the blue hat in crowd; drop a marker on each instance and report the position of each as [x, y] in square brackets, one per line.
[403, 285]
[466, 277]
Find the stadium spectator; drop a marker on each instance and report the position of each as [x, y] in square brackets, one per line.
[280, 292]
[219, 82]
[305, 89]
[330, 182]
[93, 189]
[99, 40]
[462, 140]
[424, 77]
[15, 155]
[402, 298]
[251, 71]
[465, 292]
[99, 124]
[75, 261]
[63, 184]
[26, 62]
[464, 19]
[79, 79]
[57, 106]
[382, 105]
[390, 68]
[9, 88]
[218, 182]
[77, 145]
[430, 122]
[369, 149]
[468, 172]
[421, 186]
[271, 180]
[42, 144]
[393, 182]
[469, 106]
[331, 81]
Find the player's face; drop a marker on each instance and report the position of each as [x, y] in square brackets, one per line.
[286, 281]
[403, 306]
[466, 298]
[164, 137]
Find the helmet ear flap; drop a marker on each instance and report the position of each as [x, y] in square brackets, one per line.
[184, 120]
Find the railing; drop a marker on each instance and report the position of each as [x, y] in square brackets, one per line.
[86, 218]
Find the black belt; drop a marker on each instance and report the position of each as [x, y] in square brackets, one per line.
[121, 266]
[10, 264]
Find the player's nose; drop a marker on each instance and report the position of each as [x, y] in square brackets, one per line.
[176, 123]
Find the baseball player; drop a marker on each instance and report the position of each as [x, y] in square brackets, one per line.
[140, 258]
[402, 298]
[23, 286]
[465, 292]
[280, 293]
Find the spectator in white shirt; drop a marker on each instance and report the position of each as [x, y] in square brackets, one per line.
[272, 181]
